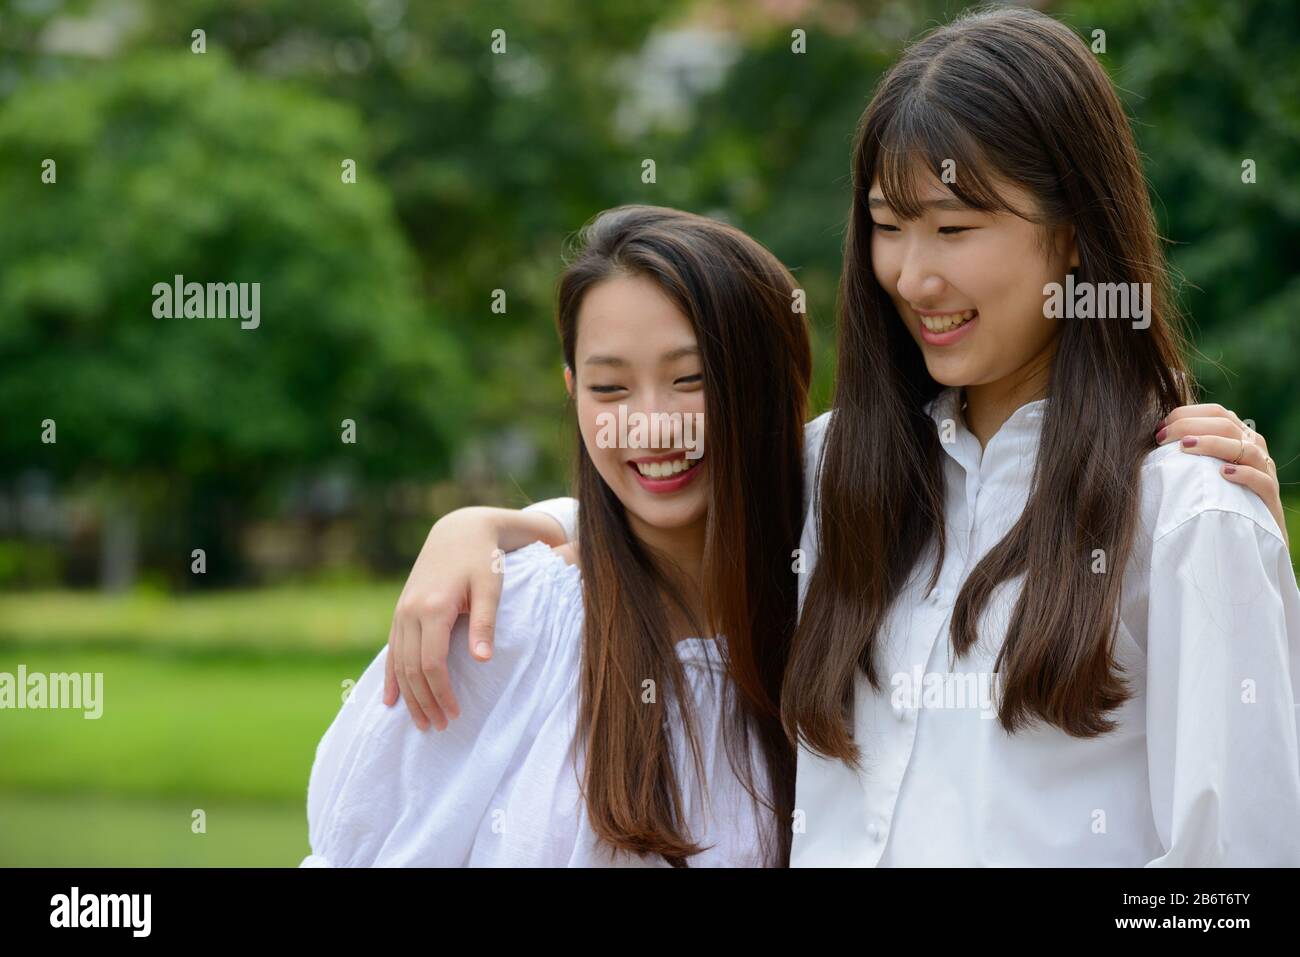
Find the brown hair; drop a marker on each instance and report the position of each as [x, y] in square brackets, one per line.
[1016, 97]
[756, 362]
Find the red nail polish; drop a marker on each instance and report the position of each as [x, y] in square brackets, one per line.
[1160, 436]
[1230, 470]
[1189, 441]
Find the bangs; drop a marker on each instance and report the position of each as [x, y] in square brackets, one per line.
[907, 151]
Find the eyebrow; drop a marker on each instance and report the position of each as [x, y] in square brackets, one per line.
[666, 357]
[948, 205]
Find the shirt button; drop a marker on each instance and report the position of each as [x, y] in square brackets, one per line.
[873, 831]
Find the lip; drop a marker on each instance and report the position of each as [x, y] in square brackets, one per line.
[666, 457]
[944, 338]
[664, 486]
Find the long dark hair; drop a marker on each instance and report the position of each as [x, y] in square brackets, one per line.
[1016, 97]
[757, 362]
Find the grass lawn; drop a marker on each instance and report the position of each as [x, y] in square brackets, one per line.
[98, 830]
[212, 702]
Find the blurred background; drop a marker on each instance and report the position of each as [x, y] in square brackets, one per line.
[379, 305]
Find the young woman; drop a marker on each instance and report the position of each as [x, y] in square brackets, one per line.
[1135, 618]
[1039, 626]
[631, 715]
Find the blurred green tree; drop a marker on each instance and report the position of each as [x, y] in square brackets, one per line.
[181, 165]
[1211, 85]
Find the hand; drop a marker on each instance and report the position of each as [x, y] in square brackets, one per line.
[1215, 431]
[457, 572]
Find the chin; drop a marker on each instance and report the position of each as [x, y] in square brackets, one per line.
[947, 377]
[669, 517]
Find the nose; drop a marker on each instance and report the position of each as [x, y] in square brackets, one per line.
[655, 405]
[918, 279]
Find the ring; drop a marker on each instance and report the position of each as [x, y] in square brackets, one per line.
[1237, 460]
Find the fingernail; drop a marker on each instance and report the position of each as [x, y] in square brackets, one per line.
[1189, 441]
[1160, 436]
[1230, 470]
[482, 649]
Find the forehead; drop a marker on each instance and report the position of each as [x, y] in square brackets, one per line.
[630, 316]
[912, 188]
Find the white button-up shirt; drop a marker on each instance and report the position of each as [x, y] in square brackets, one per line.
[1202, 768]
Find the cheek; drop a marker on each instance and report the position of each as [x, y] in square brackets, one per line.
[591, 426]
[884, 265]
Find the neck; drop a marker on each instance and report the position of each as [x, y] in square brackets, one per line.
[679, 555]
[988, 406]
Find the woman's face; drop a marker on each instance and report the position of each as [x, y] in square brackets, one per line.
[969, 285]
[635, 349]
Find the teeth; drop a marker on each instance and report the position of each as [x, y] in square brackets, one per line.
[665, 469]
[948, 321]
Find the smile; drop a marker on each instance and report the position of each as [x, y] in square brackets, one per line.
[665, 469]
[946, 328]
[664, 474]
[947, 321]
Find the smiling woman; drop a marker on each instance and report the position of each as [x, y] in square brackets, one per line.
[1026, 522]
[629, 714]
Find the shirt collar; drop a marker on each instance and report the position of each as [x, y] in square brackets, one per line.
[1022, 428]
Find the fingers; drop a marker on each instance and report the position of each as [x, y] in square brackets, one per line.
[1264, 484]
[485, 596]
[1233, 451]
[435, 638]
[390, 674]
[1247, 463]
[1209, 418]
[415, 688]
[1172, 431]
[1205, 410]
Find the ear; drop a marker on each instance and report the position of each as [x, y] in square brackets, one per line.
[568, 380]
[1072, 247]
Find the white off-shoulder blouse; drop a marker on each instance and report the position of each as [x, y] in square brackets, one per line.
[499, 787]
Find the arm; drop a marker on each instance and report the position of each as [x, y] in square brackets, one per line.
[383, 794]
[1223, 656]
[458, 571]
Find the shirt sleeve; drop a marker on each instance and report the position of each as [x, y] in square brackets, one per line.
[563, 510]
[1223, 660]
[384, 793]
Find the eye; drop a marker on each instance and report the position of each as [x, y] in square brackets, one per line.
[606, 389]
[953, 230]
[690, 379]
[884, 227]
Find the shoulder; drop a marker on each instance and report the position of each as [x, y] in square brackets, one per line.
[814, 433]
[541, 602]
[814, 440]
[1178, 487]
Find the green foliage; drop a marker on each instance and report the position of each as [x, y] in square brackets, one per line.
[1210, 85]
[181, 164]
